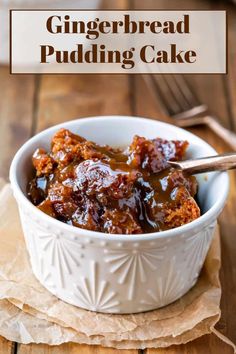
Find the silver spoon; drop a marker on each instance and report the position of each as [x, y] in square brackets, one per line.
[221, 162]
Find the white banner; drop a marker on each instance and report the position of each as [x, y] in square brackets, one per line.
[89, 41]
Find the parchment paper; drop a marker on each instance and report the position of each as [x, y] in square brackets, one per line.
[30, 314]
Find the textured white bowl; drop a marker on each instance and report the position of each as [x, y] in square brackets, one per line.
[117, 273]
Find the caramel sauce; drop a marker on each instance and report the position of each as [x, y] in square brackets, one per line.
[112, 190]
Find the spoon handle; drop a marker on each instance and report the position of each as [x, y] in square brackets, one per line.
[221, 162]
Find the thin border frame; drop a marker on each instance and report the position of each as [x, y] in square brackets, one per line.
[123, 73]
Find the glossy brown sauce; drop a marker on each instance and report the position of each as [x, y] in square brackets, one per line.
[110, 190]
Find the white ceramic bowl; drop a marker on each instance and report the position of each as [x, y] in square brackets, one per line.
[117, 273]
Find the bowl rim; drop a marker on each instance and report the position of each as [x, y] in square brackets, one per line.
[201, 222]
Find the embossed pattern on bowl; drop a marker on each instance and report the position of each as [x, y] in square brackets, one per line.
[117, 273]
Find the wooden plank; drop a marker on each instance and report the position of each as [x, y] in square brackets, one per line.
[16, 112]
[231, 77]
[63, 98]
[69, 348]
[6, 347]
[227, 324]
[206, 344]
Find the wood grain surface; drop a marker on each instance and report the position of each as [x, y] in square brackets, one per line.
[29, 104]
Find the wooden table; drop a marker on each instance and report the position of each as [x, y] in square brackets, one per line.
[29, 104]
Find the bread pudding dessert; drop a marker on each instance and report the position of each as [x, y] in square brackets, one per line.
[113, 190]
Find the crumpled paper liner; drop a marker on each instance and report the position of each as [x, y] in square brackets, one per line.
[30, 314]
